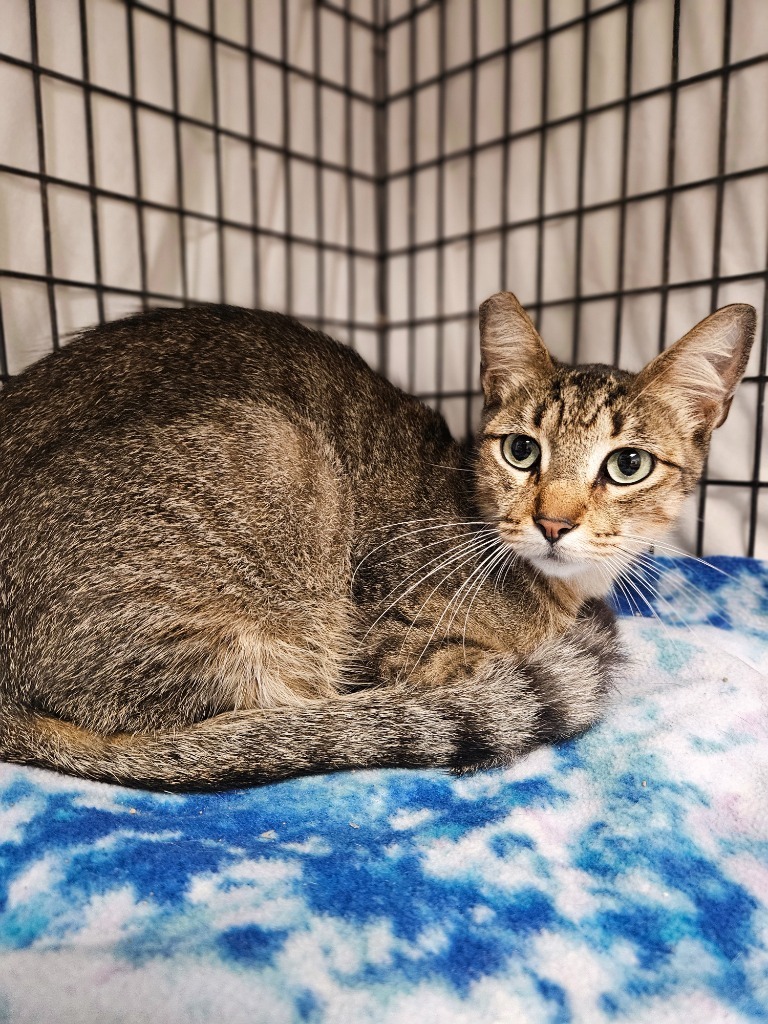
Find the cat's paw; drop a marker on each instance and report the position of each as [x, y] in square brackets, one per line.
[511, 705]
[596, 630]
[572, 675]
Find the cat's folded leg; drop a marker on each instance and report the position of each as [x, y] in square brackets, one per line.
[511, 704]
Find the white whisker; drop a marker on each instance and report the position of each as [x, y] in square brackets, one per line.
[632, 585]
[468, 585]
[679, 552]
[689, 584]
[453, 469]
[411, 533]
[429, 597]
[671, 609]
[618, 582]
[424, 547]
[512, 557]
[480, 541]
[428, 519]
[494, 562]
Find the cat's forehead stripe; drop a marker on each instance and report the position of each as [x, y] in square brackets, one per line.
[578, 398]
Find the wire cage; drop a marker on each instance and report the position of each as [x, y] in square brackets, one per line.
[379, 167]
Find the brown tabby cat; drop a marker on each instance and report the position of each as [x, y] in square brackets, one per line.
[231, 553]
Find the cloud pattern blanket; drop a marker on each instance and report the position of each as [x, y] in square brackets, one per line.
[621, 876]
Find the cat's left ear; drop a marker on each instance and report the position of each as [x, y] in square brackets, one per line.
[701, 371]
[512, 353]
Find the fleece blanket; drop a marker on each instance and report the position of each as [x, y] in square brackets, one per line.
[621, 876]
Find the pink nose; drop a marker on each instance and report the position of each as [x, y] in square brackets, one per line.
[554, 529]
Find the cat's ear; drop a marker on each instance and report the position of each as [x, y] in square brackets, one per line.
[701, 371]
[512, 353]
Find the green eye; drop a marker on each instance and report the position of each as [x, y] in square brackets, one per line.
[520, 451]
[629, 465]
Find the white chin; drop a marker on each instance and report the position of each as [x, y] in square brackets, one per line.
[557, 565]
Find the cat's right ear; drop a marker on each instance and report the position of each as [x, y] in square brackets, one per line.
[512, 353]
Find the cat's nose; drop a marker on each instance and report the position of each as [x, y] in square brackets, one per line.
[553, 529]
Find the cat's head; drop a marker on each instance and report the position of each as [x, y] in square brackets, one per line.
[575, 464]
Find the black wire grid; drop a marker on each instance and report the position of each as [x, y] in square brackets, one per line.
[409, 214]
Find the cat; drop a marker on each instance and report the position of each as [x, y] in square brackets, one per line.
[231, 553]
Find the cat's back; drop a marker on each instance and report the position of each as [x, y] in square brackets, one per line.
[169, 486]
[219, 398]
[170, 363]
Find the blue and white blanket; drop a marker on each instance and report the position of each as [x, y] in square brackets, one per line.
[622, 876]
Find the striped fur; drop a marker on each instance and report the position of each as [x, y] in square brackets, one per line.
[230, 553]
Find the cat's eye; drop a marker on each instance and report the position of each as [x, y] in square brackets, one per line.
[520, 451]
[629, 465]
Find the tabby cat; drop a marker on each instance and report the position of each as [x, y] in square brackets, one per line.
[231, 553]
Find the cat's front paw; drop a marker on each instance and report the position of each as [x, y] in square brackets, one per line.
[557, 692]
[571, 675]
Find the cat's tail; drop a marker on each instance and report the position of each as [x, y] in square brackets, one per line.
[503, 712]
